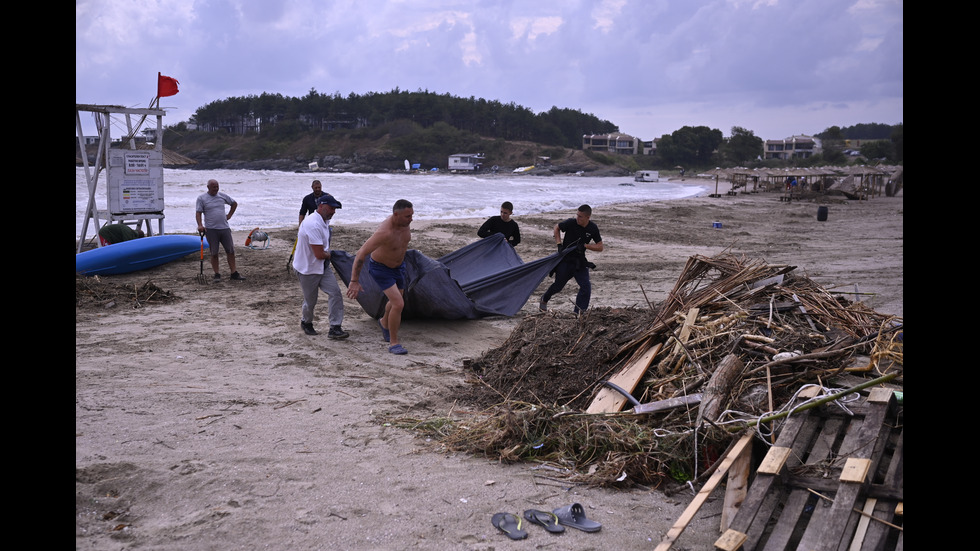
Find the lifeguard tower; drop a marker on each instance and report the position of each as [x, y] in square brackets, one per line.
[133, 174]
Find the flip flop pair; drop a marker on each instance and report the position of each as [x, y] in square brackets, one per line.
[574, 515]
[510, 525]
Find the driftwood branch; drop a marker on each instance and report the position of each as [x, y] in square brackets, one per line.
[723, 380]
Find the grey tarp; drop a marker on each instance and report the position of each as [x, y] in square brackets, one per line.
[485, 278]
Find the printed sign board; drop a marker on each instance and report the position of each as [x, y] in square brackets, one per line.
[135, 181]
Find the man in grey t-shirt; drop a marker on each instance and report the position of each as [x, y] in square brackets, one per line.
[215, 225]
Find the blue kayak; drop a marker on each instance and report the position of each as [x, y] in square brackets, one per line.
[137, 254]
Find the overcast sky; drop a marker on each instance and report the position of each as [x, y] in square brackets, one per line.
[775, 67]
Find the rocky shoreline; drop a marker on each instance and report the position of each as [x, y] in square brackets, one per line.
[369, 162]
[376, 164]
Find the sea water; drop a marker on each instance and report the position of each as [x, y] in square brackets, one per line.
[270, 199]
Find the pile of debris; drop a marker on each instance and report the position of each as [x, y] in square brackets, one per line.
[95, 292]
[730, 348]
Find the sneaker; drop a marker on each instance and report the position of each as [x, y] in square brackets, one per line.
[543, 305]
[308, 327]
[238, 276]
[337, 333]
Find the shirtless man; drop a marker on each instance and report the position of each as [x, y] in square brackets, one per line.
[385, 254]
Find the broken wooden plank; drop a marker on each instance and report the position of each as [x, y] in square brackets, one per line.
[678, 528]
[830, 485]
[737, 487]
[806, 315]
[855, 470]
[774, 460]
[669, 403]
[731, 540]
[777, 280]
[685, 335]
[610, 401]
[863, 524]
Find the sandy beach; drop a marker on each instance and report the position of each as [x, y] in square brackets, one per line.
[206, 419]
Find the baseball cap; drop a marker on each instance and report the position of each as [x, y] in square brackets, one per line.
[328, 199]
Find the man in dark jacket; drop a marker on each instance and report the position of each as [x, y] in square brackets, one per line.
[502, 224]
[309, 202]
[579, 232]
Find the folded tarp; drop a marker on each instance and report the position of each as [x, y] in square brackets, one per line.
[485, 278]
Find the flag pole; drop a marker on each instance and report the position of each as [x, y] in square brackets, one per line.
[159, 75]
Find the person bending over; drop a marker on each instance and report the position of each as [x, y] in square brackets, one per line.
[111, 234]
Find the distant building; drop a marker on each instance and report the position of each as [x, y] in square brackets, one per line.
[794, 147]
[649, 147]
[466, 161]
[622, 144]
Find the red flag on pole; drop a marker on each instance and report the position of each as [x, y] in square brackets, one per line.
[166, 86]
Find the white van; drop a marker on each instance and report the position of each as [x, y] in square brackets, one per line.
[647, 176]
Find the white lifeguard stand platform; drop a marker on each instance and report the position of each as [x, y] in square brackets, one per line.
[134, 176]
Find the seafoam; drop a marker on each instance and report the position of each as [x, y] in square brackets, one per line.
[270, 199]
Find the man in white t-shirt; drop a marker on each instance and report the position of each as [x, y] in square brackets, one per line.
[311, 264]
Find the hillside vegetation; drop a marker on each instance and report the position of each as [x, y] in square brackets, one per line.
[426, 127]
[383, 148]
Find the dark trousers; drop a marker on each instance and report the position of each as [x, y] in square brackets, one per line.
[564, 272]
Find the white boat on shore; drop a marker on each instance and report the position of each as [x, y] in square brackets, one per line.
[523, 169]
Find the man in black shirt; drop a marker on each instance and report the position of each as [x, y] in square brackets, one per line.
[502, 224]
[309, 202]
[579, 231]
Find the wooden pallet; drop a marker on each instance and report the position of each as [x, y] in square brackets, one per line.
[832, 481]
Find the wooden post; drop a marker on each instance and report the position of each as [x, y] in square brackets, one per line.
[738, 487]
[688, 515]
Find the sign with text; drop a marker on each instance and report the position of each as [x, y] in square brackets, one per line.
[137, 195]
[137, 163]
[135, 181]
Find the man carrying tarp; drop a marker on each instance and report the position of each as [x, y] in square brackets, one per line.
[385, 252]
[311, 265]
[579, 231]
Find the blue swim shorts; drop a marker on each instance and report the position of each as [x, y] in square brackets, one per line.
[385, 276]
